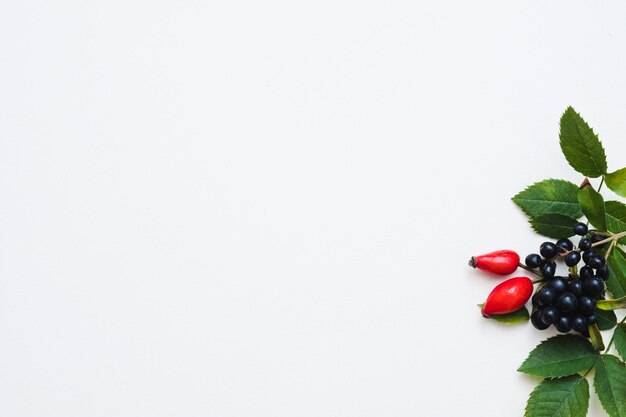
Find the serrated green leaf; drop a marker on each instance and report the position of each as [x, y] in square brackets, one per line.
[592, 204]
[516, 317]
[553, 225]
[581, 146]
[564, 397]
[549, 196]
[616, 218]
[617, 280]
[620, 340]
[613, 304]
[560, 356]
[610, 385]
[606, 319]
[616, 181]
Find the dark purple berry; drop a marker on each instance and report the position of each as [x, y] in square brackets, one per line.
[593, 287]
[567, 302]
[533, 260]
[584, 244]
[604, 272]
[558, 283]
[564, 245]
[575, 286]
[586, 272]
[595, 261]
[535, 319]
[592, 319]
[586, 304]
[580, 229]
[548, 250]
[546, 296]
[550, 315]
[579, 323]
[572, 259]
[548, 270]
[563, 324]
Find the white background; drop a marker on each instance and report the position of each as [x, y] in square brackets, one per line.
[228, 208]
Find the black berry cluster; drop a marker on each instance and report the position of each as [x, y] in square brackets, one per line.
[568, 302]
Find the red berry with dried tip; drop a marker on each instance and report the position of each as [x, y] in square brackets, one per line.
[508, 296]
[501, 262]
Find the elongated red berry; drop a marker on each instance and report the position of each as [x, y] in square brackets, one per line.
[501, 262]
[508, 296]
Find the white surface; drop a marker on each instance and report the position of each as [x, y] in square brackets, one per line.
[266, 208]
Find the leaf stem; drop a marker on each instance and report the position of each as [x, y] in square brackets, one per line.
[521, 265]
[601, 183]
[609, 239]
[613, 337]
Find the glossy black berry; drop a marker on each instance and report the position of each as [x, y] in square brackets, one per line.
[593, 287]
[534, 301]
[586, 272]
[558, 283]
[565, 245]
[548, 270]
[546, 296]
[595, 261]
[535, 319]
[604, 272]
[575, 286]
[586, 304]
[567, 302]
[595, 238]
[579, 323]
[580, 229]
[572, 259]
[563, 324]
[586, 255]
[548, 250]
[584, 244]
[533, 260]
[592, 319]
[550, 315]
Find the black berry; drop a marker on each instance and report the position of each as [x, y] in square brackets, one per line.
[565, 244]
[592, 319]
[563, 324]
[548, 250]
[546, 296]
[580, 229]
[535, 319]
[584, 244]
[579, 323]
[595, 261]
[572, 259]
[567, 302]
[604, 272]
[575, 286]
[586, 304]
[593, 287]
[558, 283]
[586, 272]
[533, 260]
[550, 315]
[548, 270]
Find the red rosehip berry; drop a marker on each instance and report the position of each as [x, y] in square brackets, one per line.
[508, 296]
[501, 262]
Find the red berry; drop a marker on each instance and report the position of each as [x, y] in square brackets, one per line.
[501, 262]
[508, 296]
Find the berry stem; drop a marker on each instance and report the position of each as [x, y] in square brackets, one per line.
[609, 239]
[521, 265]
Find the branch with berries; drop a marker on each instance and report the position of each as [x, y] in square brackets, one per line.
[580, 303]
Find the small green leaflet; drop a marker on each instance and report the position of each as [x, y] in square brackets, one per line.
[616, 218]
[549, 196]
[610, 385]
[606, 319]
[596, 337]
[620, 340]
[616, 181]
[516, 317]
[617, 280]
[560, 356]
[614, 304]
[568, 396]
[592, 204]
[581, 147]
[553, 225]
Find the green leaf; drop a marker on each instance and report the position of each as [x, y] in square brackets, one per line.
[606, 319]
[568, 396]
[560, 356]
[581, 147]
[620, 340]
[616, 218]
[614, 304]
[610, 385]
[553, 225]
[516, 317]
[616, 181]
[549, 196]
[596, 337]
[592, 204]
[617, 280]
